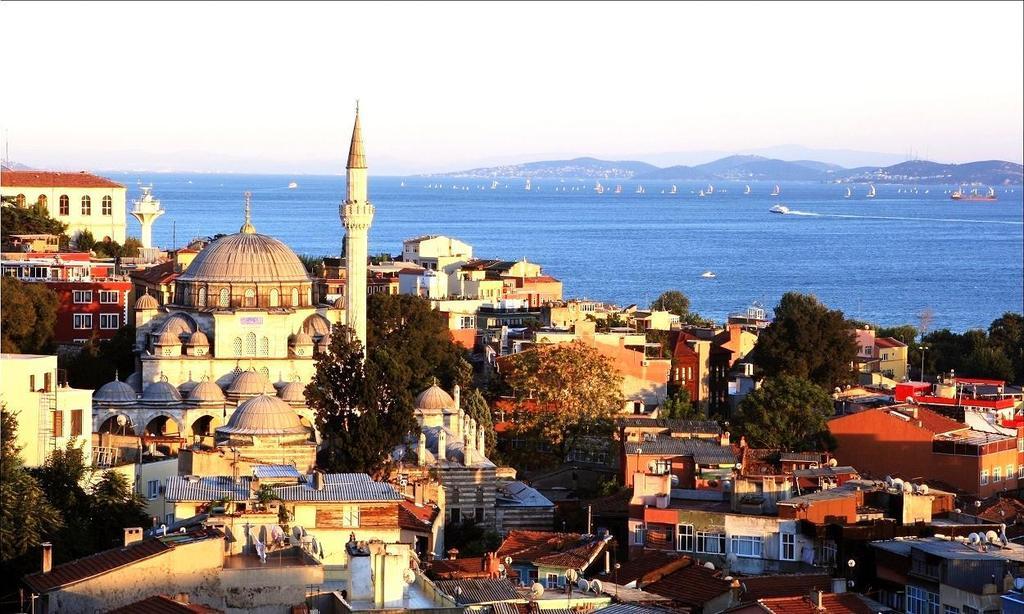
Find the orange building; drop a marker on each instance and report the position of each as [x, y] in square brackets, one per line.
[919, 444]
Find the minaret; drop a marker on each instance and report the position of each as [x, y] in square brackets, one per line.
[356, 216]
[146, 210]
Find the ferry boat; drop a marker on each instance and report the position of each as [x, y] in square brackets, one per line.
[779, 209]
[701, 194]
[776, 191]
[959, 195]
[292, 185]
[871, 192]
[708, 275]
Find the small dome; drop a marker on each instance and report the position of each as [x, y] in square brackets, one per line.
[263, 415]
[206, 392]
[161, 392]
[316, 326]
[198, 338]
[168, 337]
[146, 301]
[135, 381]
[339, 303]
[179, 324]
[185, 388]
[435, 398]
[249, 383]
[302, 338]
[293, 392]
[115, 392]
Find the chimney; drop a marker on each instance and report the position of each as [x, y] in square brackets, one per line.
[736, 590]
[457, 396]
[417, 493]
[442, 443]
[481, 442]
[816, 601]
[318, 480]
[47, 557]
[490, 565]
[181, 598]
[724, 439]
[132, 535]
[421, 451]
[453, 553]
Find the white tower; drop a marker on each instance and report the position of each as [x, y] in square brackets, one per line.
[356, 216]
[146, 210]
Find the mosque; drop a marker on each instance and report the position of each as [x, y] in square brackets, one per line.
[241, 326]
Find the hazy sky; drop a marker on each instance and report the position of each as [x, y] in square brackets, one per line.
[271, 86]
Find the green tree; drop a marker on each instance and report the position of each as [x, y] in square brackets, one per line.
[28, 518]
[787, 413]
[360, 416]
[564, 392]
[114, 506]
[84, 241]
[672, 301]
[30, 220]
[27, 316]
[477, 408]
[680, 407]
[807, 340]
[97, 362]
[1007, 334]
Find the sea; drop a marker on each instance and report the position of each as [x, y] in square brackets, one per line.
[884, 260]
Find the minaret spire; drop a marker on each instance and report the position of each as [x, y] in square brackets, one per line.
[247, 227]
[356, 216]
[356, 156]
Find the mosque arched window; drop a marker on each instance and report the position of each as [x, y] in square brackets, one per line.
[202, 296]
[275, 298]
[86, 205]
[250, 297]
[42, 200]
[295, 297]
[250, 344]
[265, 372]
[107, 207]
[238, 346]
[65, 204]
[20, 200]
[264, 347]
[225, 297]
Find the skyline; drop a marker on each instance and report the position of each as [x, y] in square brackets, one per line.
[448, 88]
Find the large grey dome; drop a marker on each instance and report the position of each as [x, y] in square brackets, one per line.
[115, 393]
[246, 257]
[161, 392]
[249, 383]
[263, 415]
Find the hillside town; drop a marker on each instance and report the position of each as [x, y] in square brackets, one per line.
[225, 427]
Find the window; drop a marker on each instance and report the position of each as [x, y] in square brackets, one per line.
[110, 321]
[65, 204]
[456, 517]
[76, 422]
[225, 297]
[948, 609]
[20, 200]
[58, 423]
[250, 344]
[275, 298]
[295, 297]
[1020, 472]
[788, 543]
[1020, 444]
[82, 297]
[640, 535]
[86, 205]
[108, 206]
[747, 546]
[1009, 471]
[152, 489]
[661, 467]
[825, 553]
[997, 474]
[710, 543]
[551, 581]
[109, 297]
[984, 477]
[971, 610]
[42, 200]
[479, 514]
[264, 346]
[169, 518]
[920, 601]
[83, 321]
[684, 538]
[237, 346]
[250, 297]
[350, 516]
[202, 297]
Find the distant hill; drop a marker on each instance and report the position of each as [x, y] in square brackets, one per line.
[760, 168]
[577, 167]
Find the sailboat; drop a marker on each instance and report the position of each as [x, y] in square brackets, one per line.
[598, 187]
[849, 193]
[711, 189]
[494, 185]
[776, 191]
[527, 184]
[701, 194]
[673, 190]
[618, 189]
[746, 190]
[871, 191]
[640, 189]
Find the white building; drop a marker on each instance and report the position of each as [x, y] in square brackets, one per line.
[81, 200]
[443, 255]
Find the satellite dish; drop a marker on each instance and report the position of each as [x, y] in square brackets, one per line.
[121, 420]
[709, 565]
[897, 484]
[977, 503]
[888, 480]
[537, 590]
[833, 462]
[1018, 583]
[508, 560]
[409, 576]
[595, 585]
[974, 538]
[991, 537]
[501, 567]
[458, 591]
[571, 575]
[923, 489]
[583, 585]
[911, 401]
[731, 558]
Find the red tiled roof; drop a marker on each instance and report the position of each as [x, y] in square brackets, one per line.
[157, 274]
[94, 565]
[647, 563]
[844, 603]
[161, 604]
[53, 179]
[934, 421]
[889, 342]
[550, 549]
[540, 279]
[796, 585]
[416, 518]
[692, 585]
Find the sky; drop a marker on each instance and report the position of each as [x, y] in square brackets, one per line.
[271, 87]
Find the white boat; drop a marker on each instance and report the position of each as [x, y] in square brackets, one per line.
[618, 189]
[711, 189]
[746, 190]
[527, 184]
[707, 275]
[401, 185]
[598, 187]
[673, 190]
[293, 185]
[849, 193]
[494, 185]
[640, 189]
[776, 191]
[871, 192]
[779, 209]
[701, 194]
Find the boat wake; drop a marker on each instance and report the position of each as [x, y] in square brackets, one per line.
[906, 219]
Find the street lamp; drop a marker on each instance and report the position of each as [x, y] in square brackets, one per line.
[923, 349]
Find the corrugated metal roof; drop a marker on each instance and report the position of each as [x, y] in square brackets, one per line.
[709, 427]
[363, 490]
[275, 471]
[207, 488]
[704, 452]
[478, 590]
[518, 494]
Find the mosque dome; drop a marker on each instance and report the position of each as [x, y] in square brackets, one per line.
[246, 258]
[199, 338]
[293, 392]
[434, 398]
[185, 388]
[168, 337]
[179, 324]
[206, 392]
[161, 392]
[135, 381]
[302, 338]
[249, 383]
[263, 415]
[115, 393]
[339, 303]
[146, 301]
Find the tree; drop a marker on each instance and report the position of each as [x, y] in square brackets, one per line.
[360, 416]
[27, 517]
[1007, 334]
[564, 392]
[680, 407]
[477, 408]
[97, 362]
[807, 340]
[672, 301]
[84, 242]
[114, 506]
[27, 317]
[787, 413]
[30, 220]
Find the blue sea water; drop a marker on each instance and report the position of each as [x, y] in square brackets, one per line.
[883, 259]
